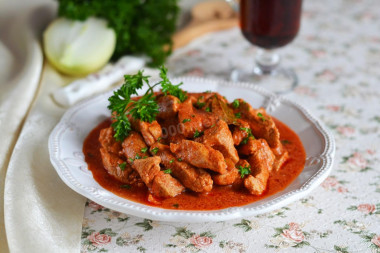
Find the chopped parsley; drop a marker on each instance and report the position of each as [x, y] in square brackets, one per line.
[208, 109]
[261, 116]
[238, 115]
[168, 171]
[246, 170]
[125, 186]
[186, 120]
[122, 166]
[131, 160]
[200, 104]
[236, 103]
[179, 159]
[245, 140]
[197, 134]
[171, 161]
[143, 150]
[155, 150]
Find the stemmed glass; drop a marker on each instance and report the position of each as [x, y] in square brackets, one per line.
[269, 24]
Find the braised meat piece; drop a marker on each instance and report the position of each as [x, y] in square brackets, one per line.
[240, 132]
[165, 186]
[229, 177]
[167, 106]
[219, 137]
[108, 142]
[262, 125]
[134, 147]
[117, 168]
[199, 155]
[147, 168]
[150, 131]
[261, 162]
[194, 119]
[195, 179]
[280, 160]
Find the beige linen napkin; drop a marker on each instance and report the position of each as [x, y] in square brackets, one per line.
[42, 214]
[20, 68]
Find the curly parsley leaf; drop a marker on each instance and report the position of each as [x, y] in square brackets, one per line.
[246, 170]
[169, 88]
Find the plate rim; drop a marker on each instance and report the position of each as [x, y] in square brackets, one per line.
[161, 214]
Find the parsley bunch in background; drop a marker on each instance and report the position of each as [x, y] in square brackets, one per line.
[142, 27]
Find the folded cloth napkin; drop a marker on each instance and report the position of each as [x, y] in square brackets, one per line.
[21, 63]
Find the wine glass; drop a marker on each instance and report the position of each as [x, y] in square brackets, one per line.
[269, 24]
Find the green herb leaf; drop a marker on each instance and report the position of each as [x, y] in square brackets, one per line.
[137, 157]
[238, 115]
[261, 116]
[208, 109]
[155, 150]
[143, 150]
[169, 88]
[246, 170]
[179, 159]
[171, 161]
[186, 120]
[122, 166]
[236, 103]
[168, 171]
[197, 134]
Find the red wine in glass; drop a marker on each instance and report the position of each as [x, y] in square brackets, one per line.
[270, 24]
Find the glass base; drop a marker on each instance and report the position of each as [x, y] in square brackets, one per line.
[278, 80]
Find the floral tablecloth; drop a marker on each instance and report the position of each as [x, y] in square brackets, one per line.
[337, 58]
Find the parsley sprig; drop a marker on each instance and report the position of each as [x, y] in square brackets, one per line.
[246, 170]
[169, 88]
[146, 108]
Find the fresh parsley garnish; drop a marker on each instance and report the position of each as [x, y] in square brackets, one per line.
[186, 120]
[236, 103]
[179, 159]
[208, 109]
[197, 134]
[199, 103]
[143, 150]
[261, 116]
[238, 115]
[137, 157]
[169, 88]
[155, 150]
[246, 170]
[245, 140]
[122, 166]
[168, 171]
[171, 161]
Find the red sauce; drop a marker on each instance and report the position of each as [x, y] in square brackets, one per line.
[220, 196]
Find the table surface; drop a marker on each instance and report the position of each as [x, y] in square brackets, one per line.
[337, 58]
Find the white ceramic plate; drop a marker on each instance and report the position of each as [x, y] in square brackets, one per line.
[66, 141]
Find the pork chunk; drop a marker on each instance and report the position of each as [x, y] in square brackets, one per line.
[219, 137]
[165, 186]
[280, 160]
[108, 142]
[239, 133]
[199, 155]
[151, 132]
[193, 119]
[229, 177]
[197, 180]
[147, 168]
[167, 106]
[261, 162]
[112, 164]
[133, 147]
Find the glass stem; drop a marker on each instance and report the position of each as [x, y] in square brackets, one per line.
[267, 60]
